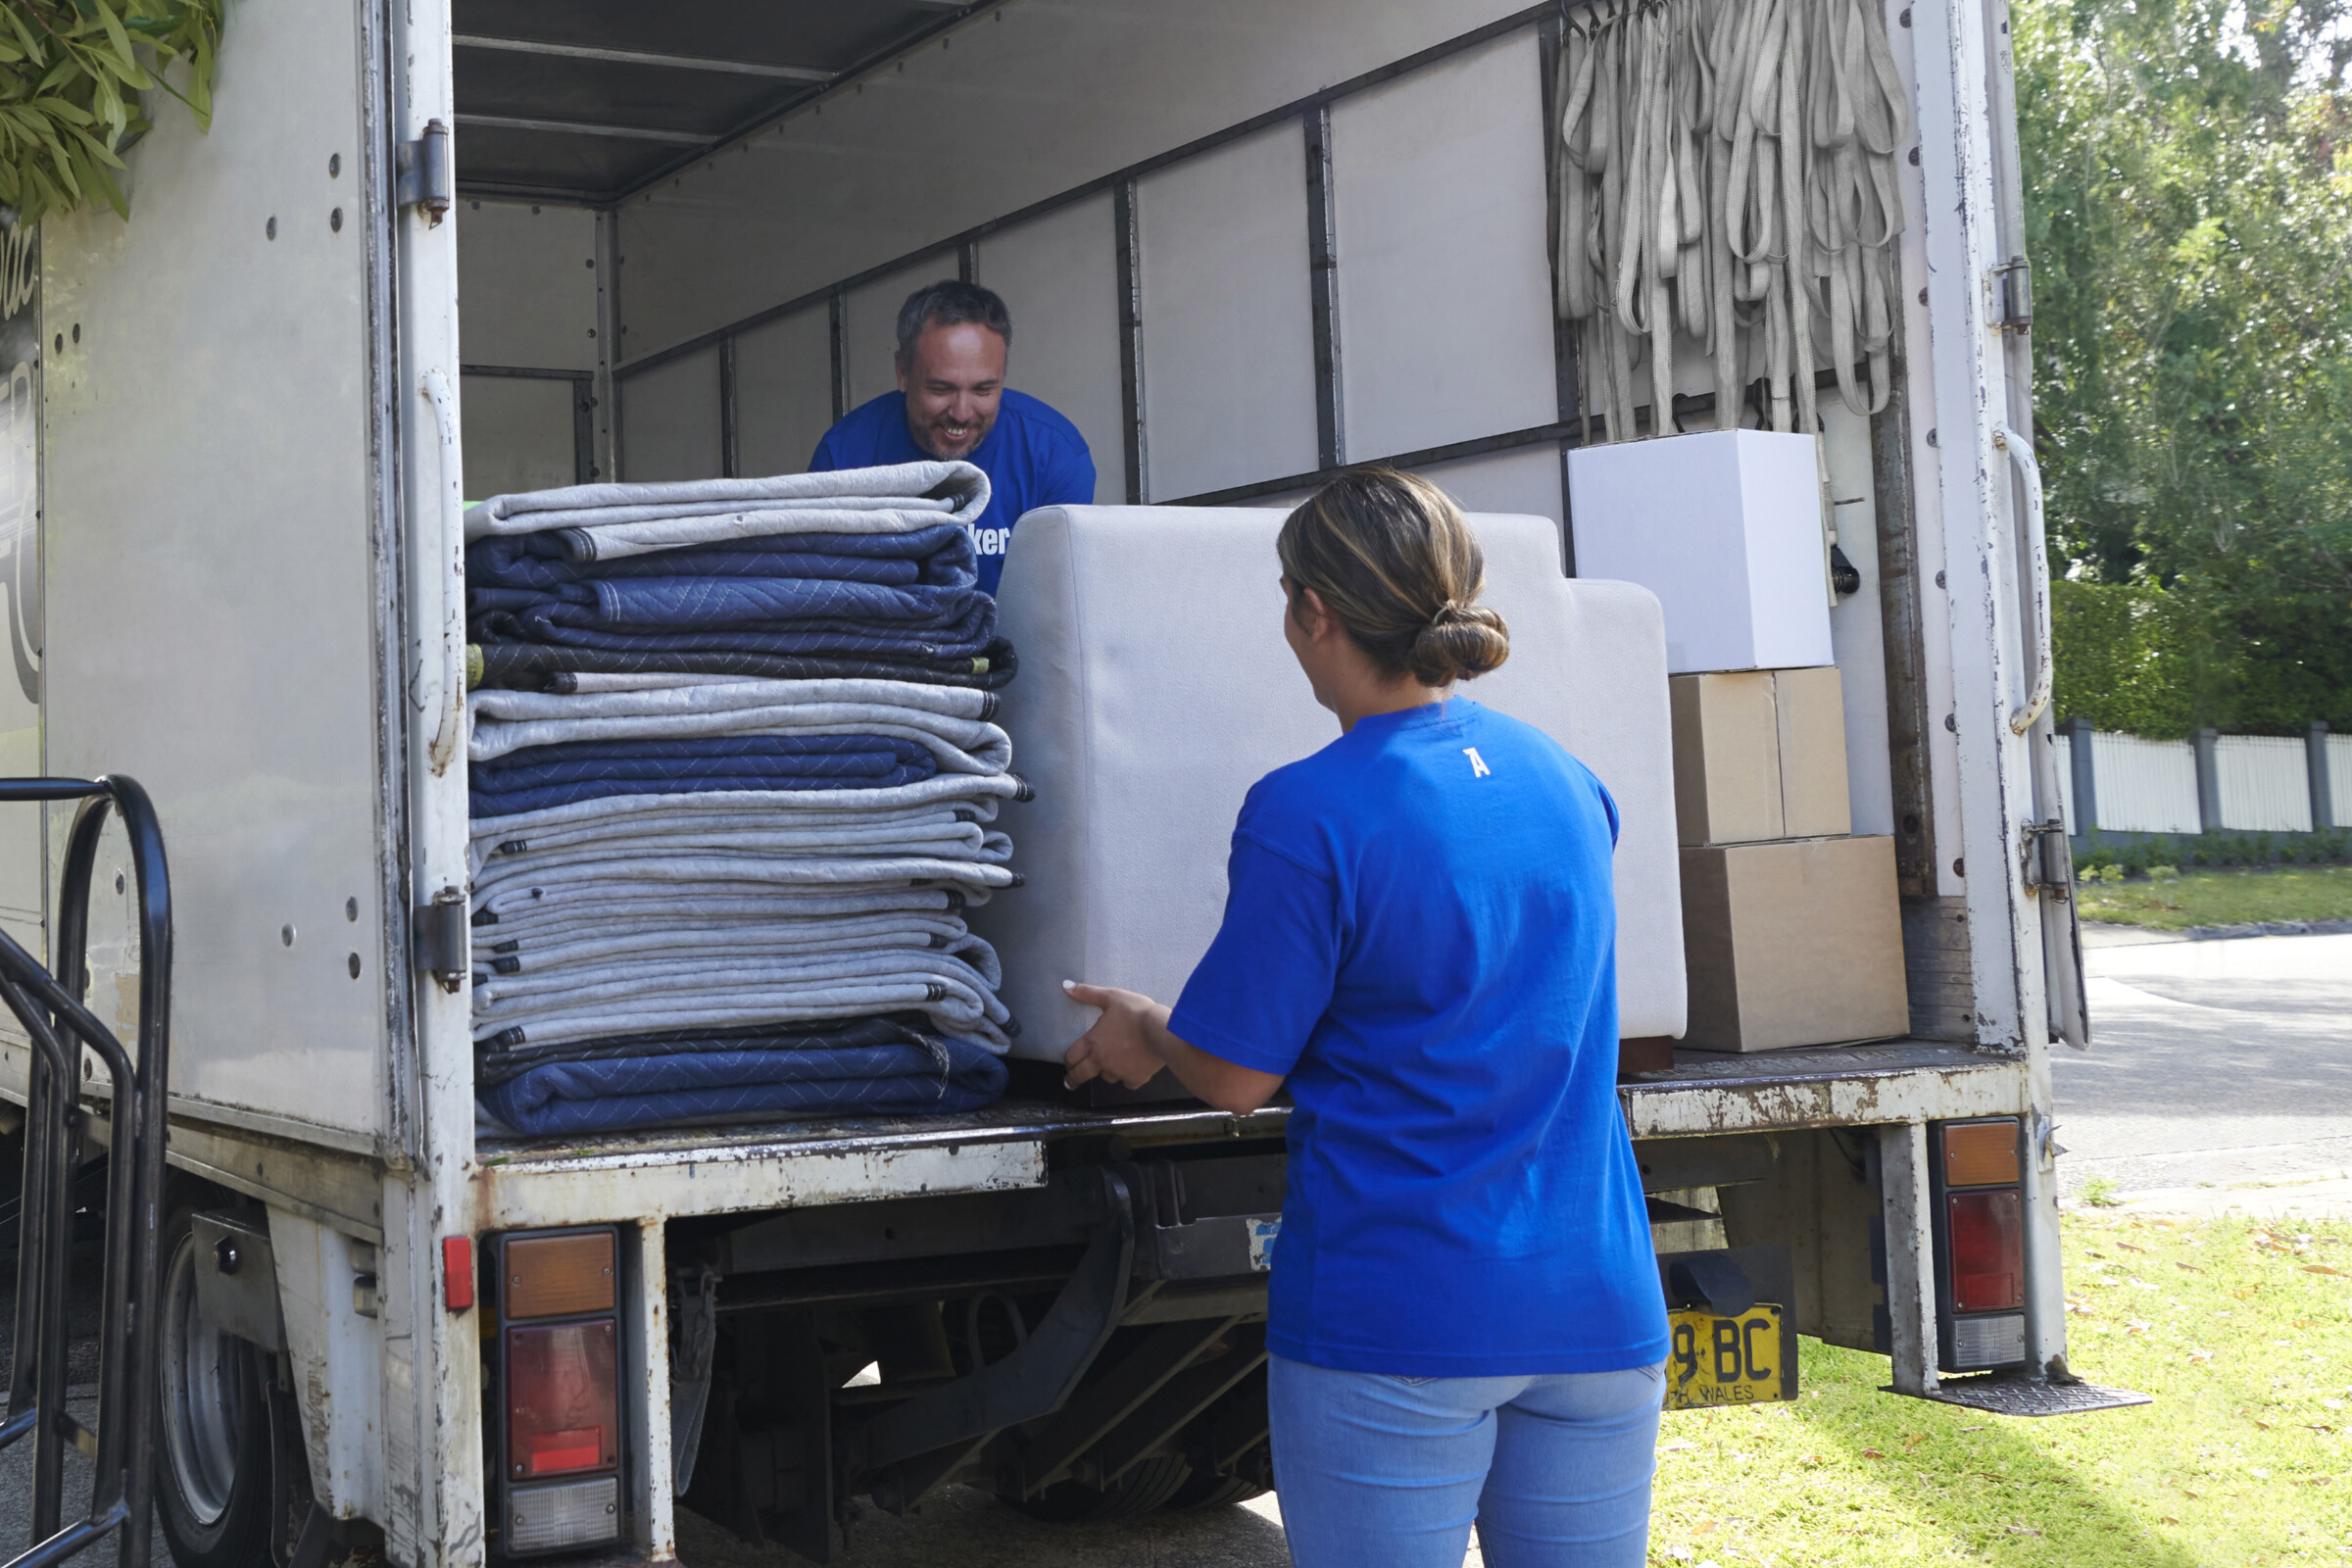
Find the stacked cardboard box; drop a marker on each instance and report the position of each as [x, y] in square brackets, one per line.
[1791, 933]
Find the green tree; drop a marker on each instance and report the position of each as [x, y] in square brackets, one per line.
[72, 73]
[2189, 213]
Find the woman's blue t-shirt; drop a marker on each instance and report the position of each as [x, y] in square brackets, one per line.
[1420, 932]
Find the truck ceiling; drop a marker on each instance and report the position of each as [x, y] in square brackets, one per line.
[576, 103]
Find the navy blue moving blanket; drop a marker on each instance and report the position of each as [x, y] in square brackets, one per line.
[862, 1066]
[539, 776]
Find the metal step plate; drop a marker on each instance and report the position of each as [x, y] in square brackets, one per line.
[2010, 1394]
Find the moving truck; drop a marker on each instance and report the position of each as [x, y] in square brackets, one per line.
[453, 247]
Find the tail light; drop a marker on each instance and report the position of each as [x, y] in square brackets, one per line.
[562, 1400]
[559, 1389]
[1988, 1251]
[1980, 1244]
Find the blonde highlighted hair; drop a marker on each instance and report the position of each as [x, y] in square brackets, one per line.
[1396, 564]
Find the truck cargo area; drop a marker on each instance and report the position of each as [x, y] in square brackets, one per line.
[1241, 252]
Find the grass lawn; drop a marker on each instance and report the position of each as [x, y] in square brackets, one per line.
[2224, 898]
[2244, 1332]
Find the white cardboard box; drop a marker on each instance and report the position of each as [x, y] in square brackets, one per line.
[1725, 528]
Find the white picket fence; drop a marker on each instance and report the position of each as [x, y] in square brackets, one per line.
[2265, 783]
[2144, 786]
[2262, 783]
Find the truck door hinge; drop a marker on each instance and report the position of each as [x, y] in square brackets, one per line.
[2015, 279]
[422, 168]
[442, 940]
[2042, 857]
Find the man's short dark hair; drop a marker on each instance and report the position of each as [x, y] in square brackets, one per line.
[950, 301]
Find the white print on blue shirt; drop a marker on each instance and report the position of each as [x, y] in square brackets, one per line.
[1478, 764]
[988, 541]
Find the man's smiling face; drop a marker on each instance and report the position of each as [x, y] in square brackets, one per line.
[954, 385]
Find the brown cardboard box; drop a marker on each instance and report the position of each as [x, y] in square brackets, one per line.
[1727, 758]
[1798, 942]
[1809, 713]
[1759, 755]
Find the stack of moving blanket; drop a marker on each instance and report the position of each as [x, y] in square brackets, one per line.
[732, 770]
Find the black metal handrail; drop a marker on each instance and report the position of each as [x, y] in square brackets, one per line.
[130, 1335]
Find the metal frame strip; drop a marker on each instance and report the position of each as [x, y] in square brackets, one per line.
[730, 449]
[1323, 284]
[1128, 240]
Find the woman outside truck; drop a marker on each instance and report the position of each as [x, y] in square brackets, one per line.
[1419, 938]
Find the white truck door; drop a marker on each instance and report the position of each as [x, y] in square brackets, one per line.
[218, 571]
[21, 874]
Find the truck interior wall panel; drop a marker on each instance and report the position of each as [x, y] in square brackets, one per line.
[1526, 481]
[870, 325]
[669, 426]
[526, 281]
[1022, 102]
[784, 391]
[1443, 278]
[518, 434]
[1857, 622]
[213, 606]
[1059, 274]
[1229, 346]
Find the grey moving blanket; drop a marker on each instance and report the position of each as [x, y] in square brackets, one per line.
[951, 722]
[545, 667]
[605, 522]
[734, 784]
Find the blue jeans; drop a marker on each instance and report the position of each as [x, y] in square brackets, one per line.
[1375, 1471]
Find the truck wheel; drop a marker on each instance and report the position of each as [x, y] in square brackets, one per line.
[1206, 1489]
[211, 1453]
[1141, 1489]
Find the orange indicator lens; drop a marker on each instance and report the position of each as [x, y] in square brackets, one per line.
[1980, 1154]
[559, 1276]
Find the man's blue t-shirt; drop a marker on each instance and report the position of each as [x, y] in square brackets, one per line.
[1420, 931]
[1033, 456]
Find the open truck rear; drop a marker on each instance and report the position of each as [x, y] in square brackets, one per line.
[460, 247]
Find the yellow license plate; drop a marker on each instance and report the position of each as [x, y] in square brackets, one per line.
[1728, 1361]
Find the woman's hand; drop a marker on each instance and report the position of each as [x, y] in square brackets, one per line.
[1119, 1046]
[1130, 1044]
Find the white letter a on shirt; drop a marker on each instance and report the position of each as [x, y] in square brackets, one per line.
[1478, 764]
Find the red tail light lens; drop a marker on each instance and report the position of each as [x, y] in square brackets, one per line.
[562, 1400]
[1988, 1251]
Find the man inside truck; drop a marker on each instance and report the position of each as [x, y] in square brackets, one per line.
[952, 401]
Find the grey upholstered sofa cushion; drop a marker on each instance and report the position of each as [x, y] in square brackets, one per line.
[1155, 688]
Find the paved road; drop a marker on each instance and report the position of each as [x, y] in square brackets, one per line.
[2216, 1067]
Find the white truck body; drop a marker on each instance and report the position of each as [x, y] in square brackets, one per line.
[261, 400]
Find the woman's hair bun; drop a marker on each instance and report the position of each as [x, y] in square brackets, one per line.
[1461, 643]
[1393, 559]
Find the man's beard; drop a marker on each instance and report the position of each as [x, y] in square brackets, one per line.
[934, 441]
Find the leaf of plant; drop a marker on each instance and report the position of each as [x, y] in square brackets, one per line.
[25, 36]
[200, 80]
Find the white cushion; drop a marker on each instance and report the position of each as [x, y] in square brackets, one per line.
[1155, 688]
